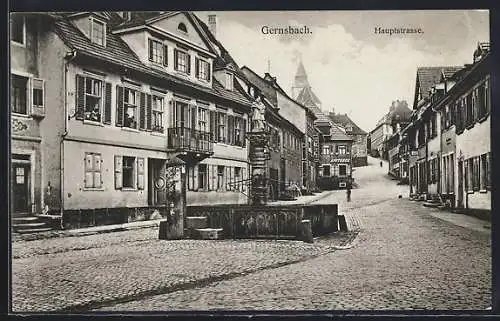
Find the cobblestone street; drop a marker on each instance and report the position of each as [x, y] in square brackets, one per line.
[405, 257]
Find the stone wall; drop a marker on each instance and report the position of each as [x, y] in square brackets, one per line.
[272, 221]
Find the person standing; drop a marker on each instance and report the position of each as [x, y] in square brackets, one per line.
[348, 193]
[380, 163]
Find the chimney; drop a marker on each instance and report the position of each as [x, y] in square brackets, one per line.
[212, 24]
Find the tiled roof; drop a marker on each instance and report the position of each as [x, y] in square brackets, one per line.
[266, 88]
[118, 52]
[337, 133]
[308, 98]
[344, 121]
[429, 76]
[138, 18]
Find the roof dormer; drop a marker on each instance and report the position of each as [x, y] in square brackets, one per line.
[93, 25]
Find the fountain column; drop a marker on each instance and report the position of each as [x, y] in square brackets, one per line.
[259, 180]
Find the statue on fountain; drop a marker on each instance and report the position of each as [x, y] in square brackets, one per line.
[258, 116]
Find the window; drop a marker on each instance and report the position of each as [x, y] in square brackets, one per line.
[93, 170]
[93, 99]
[157, 52]
[130, 102]
[220, 177]
[128, 172]
[342, 150]
[202, 69]
[482, 100]
[97, 31]
[349, 128]
[182, 27]
[475, 173]
[237, 178]
[19, 102]
[342, 170]
[487, 97]
[229, 81]
[484, 172]
[182, 61]
[17, 29]
[309, 144]
[237, 131]
[37, 91]
[202, 119]
[326, 150]
[326, 170]
[221, 133]
[157, 114]
[202, 177]
[469, 110]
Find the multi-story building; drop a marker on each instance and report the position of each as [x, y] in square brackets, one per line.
[452, 131]
[121, 98]
[359, 138]
[336, 158]
[299, 152]
[472, 99]
[392, 122]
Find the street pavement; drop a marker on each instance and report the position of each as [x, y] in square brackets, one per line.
[405, 256]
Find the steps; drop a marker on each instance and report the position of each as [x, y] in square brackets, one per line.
[197, 228]
[25, 223]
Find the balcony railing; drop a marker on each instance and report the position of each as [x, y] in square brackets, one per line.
[187, 139]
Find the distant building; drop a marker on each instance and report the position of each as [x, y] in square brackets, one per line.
[398, 116]
[335, 165]
[359, 138]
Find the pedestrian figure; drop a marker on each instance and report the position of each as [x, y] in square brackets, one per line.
[348, 192]
[380, 163]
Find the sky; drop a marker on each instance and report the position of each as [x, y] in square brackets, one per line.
[350, 68]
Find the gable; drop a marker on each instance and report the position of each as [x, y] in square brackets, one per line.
[170, 23]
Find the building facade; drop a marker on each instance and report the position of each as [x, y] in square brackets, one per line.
[123, 100]
[359, 138]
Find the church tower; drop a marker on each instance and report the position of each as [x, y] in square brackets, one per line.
[302, 91]
[300, 80]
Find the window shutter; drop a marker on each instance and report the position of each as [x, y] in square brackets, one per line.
[243, 132]
[230, 129]
[176, 57]
[149, 112]
[488, 171]
[193, 116]
[195, 177]
[197, 67]
[150, 46]
[107, 103]
[213, 125]
[209, 69]
[97, 170]
[118, 172]
[140, 173]
[188, 57]
[89, 167]
[142, 112]
[243, 177]
[119, 106]
[165, 55]
[171, 113]
[80, 97]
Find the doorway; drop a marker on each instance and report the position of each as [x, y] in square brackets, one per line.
[156, 181]
[21, 174]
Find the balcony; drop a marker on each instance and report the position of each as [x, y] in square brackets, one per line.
[182, 139]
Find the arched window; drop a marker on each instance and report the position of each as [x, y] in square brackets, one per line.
[182, 27]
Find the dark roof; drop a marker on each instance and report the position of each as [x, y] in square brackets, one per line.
[118, 52]
[138, 18]
[308, 98]
[429, 76]
[338, 134]
[344, 121]
[263, 86]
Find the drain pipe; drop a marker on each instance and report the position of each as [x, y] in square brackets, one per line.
[67, 59]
